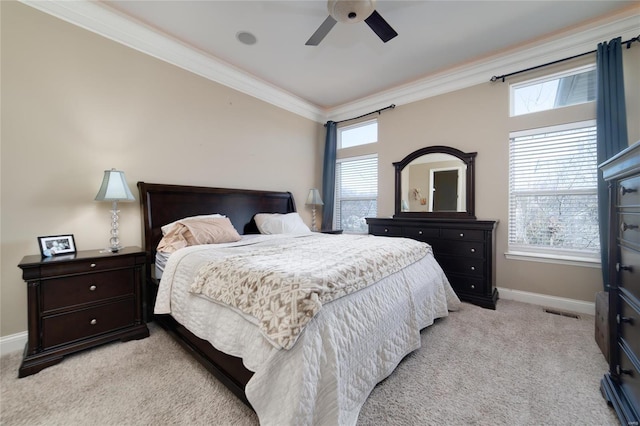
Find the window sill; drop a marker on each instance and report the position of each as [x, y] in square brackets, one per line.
[548, 258]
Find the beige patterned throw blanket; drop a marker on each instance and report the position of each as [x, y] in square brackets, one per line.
[284, 283]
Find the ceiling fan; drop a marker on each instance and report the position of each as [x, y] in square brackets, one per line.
[352, 11]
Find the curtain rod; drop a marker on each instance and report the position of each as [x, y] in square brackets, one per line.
[379, 111]
[504, 76]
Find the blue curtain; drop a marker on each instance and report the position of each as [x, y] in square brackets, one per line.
[329, 175]
[611, 119]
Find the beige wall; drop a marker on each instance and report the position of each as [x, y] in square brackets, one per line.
[75, 104]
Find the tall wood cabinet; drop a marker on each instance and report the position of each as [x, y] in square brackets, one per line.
[464, 248]
[621, 385]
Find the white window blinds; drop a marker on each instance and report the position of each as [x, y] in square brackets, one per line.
[553, 205]
[356, 195]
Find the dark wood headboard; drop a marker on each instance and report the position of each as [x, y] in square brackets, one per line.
[162, 204]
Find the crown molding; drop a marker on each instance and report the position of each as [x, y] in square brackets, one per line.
[100, 19]
[584, 39]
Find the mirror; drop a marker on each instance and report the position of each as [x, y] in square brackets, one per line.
[436, 181]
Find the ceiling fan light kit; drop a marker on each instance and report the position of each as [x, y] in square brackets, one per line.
[353, 11]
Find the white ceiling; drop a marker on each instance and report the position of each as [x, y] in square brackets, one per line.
[351, 64]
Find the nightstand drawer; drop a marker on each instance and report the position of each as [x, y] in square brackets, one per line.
[65, 328]
[64, 292]
[84, 266]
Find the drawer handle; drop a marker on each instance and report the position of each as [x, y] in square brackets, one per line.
[473, 268]
[461, 235]
[473, 250]
[624, 190]
[621, 371]
[386, 230]
[93, 321]
[420, 232]
[93, 288]
[625, 226]
[620, 319]
[93, 265]
[620, 267]
[473, 286]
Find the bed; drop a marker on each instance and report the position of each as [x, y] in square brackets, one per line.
[324, 375]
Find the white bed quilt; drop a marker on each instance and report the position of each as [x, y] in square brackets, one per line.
[352, 344]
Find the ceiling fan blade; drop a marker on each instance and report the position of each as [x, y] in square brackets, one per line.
[321, 32]
[380, 27]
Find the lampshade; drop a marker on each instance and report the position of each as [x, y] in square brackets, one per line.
[114, 187]
[313, 199]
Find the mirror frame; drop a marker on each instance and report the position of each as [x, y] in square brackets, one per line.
[468, 158]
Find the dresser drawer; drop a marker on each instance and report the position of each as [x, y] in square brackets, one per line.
[629, 192]
[461, 265]
[629, 376]
[421, 234]
[629, 325]
[84, 266]
[461, 283]
[462, 234]
[83, 323]
[630, 227]
[460, 248]
[629, 270]
[76, 290]
[384, 230]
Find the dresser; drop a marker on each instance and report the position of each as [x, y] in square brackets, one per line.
[621, 385]
[464, 248]
[79, 301]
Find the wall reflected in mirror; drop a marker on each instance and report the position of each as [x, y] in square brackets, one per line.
[434, 183]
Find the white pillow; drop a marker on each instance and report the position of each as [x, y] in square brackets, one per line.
[277, 223]
[168, 227]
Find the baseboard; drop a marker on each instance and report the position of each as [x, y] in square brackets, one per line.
[13, 343]
[16, 342]
[561, 303]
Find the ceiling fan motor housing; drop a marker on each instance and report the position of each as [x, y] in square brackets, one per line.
[351, 11]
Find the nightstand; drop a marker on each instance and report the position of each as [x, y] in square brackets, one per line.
[79, 301]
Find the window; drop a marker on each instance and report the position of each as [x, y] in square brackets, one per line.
[553, 201]
[358, 134]
[356, 195]
[554, 91]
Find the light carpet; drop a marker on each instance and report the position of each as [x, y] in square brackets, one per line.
[516, 365]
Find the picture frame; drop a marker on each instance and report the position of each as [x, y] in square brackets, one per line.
[55, 245]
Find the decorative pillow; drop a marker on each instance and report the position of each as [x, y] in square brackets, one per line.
[208, 230]
[277, 223]
[166, 228]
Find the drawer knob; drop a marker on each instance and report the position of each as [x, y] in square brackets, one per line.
[93, 288]
[473, 268]
[473, 286]
[620, 319]
[620, 267]
[624, 190]
[93, 265]
[621, 371]
[473, 250]
[461, 235]
[420, 232]
[386, 229]
[93, 321]
[625, 226]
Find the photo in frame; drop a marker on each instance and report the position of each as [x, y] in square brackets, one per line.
[56, 244]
